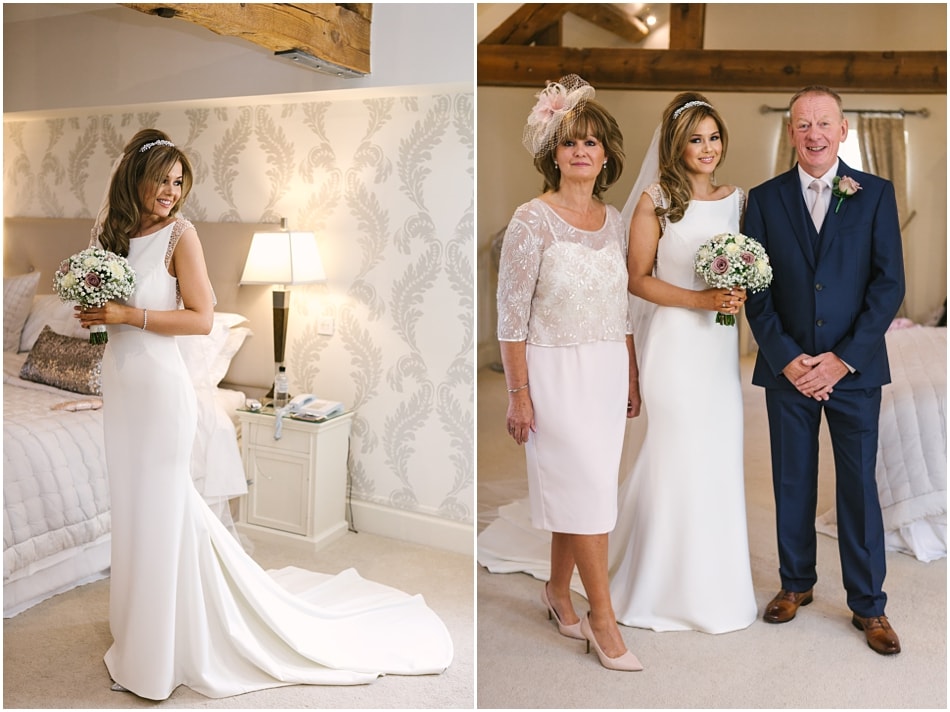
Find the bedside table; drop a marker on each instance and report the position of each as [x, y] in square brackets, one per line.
[296, 485]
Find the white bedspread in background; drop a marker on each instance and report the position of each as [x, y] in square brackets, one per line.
[55, 489]
[56, 516]
[912, 447]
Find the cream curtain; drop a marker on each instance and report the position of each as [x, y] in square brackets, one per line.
[884, 153]
[785, 156]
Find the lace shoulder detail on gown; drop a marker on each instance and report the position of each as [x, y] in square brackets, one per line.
[658, 196]
[178, 229]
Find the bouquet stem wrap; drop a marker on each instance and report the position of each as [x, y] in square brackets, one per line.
[98, 334]
[91, 278]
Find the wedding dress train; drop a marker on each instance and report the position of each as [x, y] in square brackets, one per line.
[187, 605]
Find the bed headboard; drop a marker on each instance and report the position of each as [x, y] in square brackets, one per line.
[40, 244]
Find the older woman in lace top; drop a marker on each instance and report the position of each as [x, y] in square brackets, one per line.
[567, 351]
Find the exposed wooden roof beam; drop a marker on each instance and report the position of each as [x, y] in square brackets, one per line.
[504, 59]
[613, 19]
[337, 33]
[526, 23]
[923, 72]
[687, 25]
[534, 22]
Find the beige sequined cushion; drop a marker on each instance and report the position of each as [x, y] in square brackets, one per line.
[64, 362]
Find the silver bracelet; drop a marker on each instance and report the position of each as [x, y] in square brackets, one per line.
[520, 388]
[145, 322]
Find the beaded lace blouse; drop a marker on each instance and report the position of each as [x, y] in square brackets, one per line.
[559, 285]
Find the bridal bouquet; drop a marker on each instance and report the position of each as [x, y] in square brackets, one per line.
[92, 278]
[733, 260]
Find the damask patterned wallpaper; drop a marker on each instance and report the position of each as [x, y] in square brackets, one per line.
[385, 178]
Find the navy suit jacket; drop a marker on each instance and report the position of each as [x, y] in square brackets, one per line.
[838, 296]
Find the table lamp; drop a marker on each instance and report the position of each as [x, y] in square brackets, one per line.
[282, 259]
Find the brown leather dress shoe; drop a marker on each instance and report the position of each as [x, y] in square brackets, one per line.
[881, 637]
[784, 606]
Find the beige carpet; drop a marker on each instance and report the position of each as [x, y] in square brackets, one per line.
[817, 660]
[52, 653]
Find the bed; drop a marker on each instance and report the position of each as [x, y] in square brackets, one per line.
[912, 447]
[56, 500]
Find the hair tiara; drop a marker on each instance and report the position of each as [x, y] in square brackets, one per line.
[689, 105]
[160, 142]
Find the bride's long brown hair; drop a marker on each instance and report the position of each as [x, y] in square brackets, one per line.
[138, 171]
[675, 134]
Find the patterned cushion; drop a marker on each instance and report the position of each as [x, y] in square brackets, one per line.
[17, 299]
[64, 362]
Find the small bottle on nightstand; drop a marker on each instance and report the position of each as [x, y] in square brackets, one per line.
[281, 388]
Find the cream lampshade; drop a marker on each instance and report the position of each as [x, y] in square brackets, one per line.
[282, 259]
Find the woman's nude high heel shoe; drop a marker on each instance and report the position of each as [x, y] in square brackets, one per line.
[570, 631]
[627, 662]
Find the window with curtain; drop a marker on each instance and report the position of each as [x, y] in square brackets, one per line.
[883, 143]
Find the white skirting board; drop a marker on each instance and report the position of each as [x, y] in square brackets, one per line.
[457, 537]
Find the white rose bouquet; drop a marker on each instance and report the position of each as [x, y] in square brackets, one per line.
[92, 278]
[733, 260]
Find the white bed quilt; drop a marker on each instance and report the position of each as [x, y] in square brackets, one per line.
[912, 448]
[55, 490]
[56, 513]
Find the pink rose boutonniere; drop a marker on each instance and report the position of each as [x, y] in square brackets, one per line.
[844, 187]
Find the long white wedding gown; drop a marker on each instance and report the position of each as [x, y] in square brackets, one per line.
[679, 554]
[187, 605]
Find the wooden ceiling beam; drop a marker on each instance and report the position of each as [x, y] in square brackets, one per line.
[526, 23]
[336, 33]
[919, 72]
[613, 19]
[687, 25]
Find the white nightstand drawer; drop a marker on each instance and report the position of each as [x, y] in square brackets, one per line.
[262, 434]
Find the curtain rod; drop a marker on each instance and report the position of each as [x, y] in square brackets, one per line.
[924, 113]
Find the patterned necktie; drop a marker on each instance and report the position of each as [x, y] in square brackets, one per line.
[818, 207]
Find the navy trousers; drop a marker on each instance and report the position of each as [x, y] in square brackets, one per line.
[794, 422]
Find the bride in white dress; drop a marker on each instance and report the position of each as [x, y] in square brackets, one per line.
[187, 605]
[679, 554]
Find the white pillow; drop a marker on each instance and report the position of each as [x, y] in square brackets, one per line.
[49, 310]
[18, 293]
[211, 355]
[234, 333]
[232, 344]
[229, 319]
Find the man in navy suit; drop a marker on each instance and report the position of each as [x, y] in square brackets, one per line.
[833, 238]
